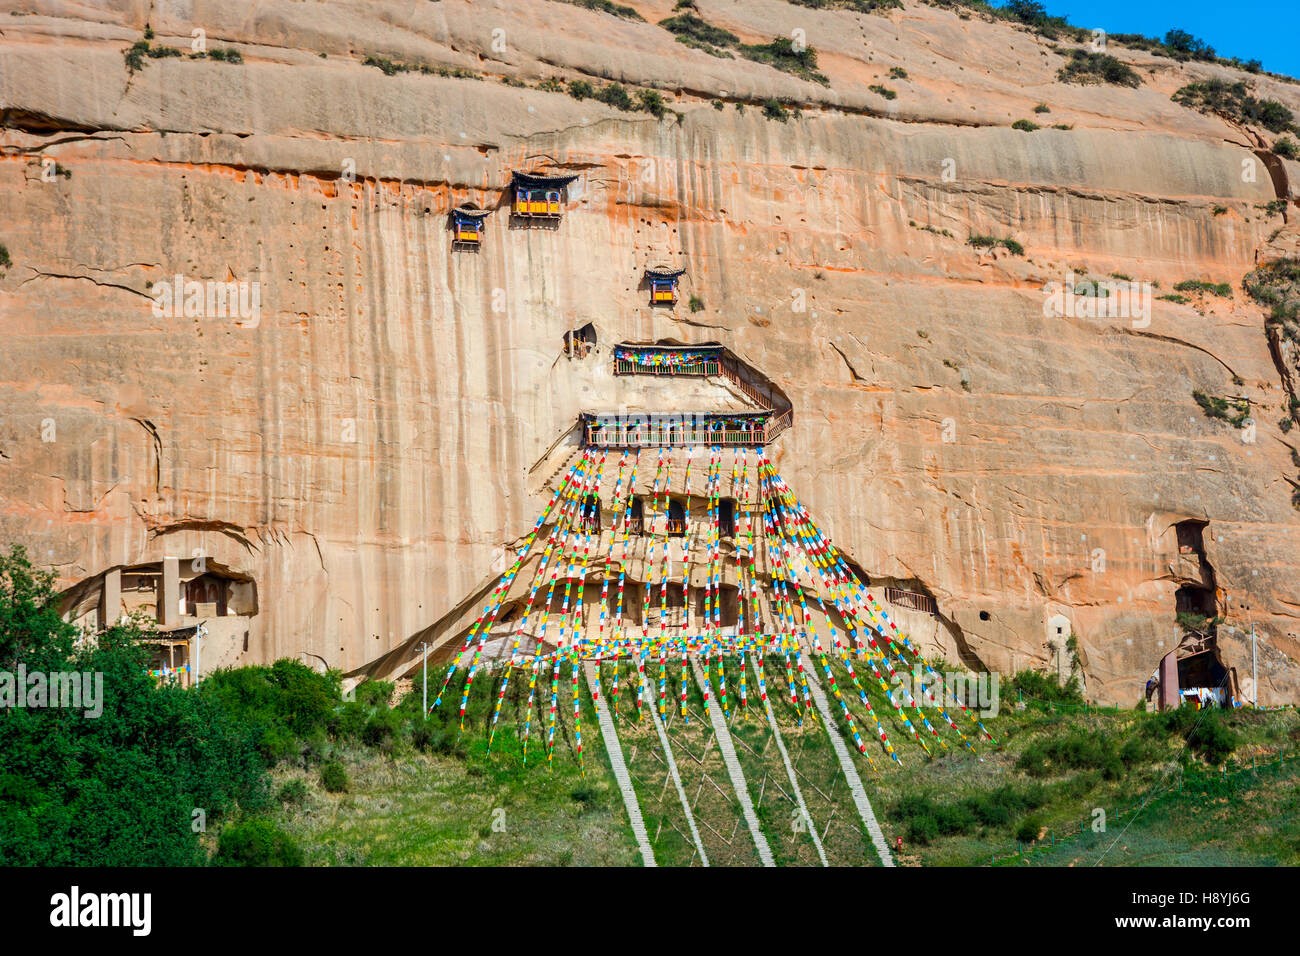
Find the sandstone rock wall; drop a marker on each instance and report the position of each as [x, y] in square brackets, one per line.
[366, 447]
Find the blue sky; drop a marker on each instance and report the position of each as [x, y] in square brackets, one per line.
[1264, 30]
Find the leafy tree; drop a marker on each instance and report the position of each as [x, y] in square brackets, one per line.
[121, 788]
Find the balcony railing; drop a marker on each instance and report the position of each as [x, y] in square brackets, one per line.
[911, 599]
[707, 367]
[650, 436]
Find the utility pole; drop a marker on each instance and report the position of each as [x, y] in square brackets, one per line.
[425, 680]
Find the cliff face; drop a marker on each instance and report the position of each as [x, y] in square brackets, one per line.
[364, 444]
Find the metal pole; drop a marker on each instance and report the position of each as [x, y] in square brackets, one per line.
[198, 644]
[1254, 675]
[425, 680]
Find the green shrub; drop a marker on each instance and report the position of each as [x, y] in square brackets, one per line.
[1212, 738]
[256, 842]
[773, 109]
[697, 304]
[1029, 829]
[1042, 108]
[1205, 731]
[135, 55]
[652, 102]
[616, 96]
[383, 730]
[693, 31]
[1045, 688]
[1086, 67]
[884, 91]
[1286, 148]
[1234, 411]
[333, 777]
[282, 704]
[1076, 751]
[927, 819]
[1026, 126]
[385, 65]
[348, 721]
[782, 55]
[859, 6]
[374, 693]
[922, 829]
[1221, 289]
[606, 6]
[581, 89]
[1234, 101]
[1000, 806]
[897, 73]
[294, 792]
[5, 261]
[989, 242]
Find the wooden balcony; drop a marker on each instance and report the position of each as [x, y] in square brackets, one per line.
[704, 368]
[538, 204]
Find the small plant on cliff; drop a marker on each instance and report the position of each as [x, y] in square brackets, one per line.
[581, 89]
[990, 242]
[882, 90]
[1286, 148]
[1042, 108]
[226, 55]
[1191, 621]
[773, 110]
[605, 6]
[695, 32]
[652, 102]
[615, 95]
[1234, 411]
[1219, 210]
[1221, 289]
[897, 73]
[1277, 285]
[858, 6]
[135, 55]
[1234, 101]
[1025, 126]
[697, 304]
[5, 261]
[1086, 67]
[782, 54]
